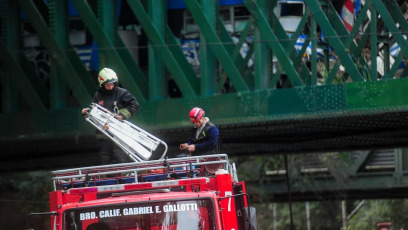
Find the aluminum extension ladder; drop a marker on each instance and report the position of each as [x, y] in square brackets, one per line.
[134, 141]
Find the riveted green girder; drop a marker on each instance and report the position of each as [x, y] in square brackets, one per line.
[59, 26]
[157, 79]
[22, 80]
[208, 63]
[130, 74]
[234, 50]
[187, 83]
[70, 74]
[289, 44]
[216, 46]
[391, 24]
[347, 70]
[16, 64]
[334, 40]
[277, 48]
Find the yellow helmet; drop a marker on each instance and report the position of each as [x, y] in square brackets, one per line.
[107, 75]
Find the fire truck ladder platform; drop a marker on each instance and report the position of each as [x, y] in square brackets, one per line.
[147, 171]
[134, 141]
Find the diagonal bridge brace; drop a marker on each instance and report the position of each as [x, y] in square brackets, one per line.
[334, 40]
[71, 76]
[133, 78]
[349, 42]
[187, 82]
[216, 46]
[391, 25]
[290, 46]
[35, 96]
[234, 50]
[274, 44]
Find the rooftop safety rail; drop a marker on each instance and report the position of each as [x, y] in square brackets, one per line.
[138, 172]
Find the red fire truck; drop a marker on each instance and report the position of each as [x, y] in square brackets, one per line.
[184, 193]
[189, 193]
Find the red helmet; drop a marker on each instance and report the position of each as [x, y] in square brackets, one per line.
[196, 113]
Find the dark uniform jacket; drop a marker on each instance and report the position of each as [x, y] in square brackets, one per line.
[208, 141]
[126, 103]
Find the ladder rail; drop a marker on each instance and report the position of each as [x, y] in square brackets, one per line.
[146, 168]
[134, 141]
[198, 159]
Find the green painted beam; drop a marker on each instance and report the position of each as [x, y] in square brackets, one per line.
[71, 76]
[391, 25]
[298, 58]
[208, 63]
[106, 14]
[174, 47]
[264, 67]
[121, 62]
[59, 24]
[10, 96]
[313, 35]
[386, 47]
[157, 72]
[27, 89]
[108, 20]
[273, 43]
[21, 73]
[394, 67]
[289, 44]
[234, 50]
[216, 46]
[306, 102]
[399, 163]
[358, 163]
[314, 102]
[58, 14]
[373, 44]
[396, 13]
[349, 43]
[376, 96]
[37, 83]
[334, 40]
[186, 83]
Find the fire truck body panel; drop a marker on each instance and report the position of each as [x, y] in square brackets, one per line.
[150, 209]
[191, 193]
[213, 200]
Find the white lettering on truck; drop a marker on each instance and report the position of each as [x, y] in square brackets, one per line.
[179, 207]
[138, 211]
[87, 216]
[109, 213]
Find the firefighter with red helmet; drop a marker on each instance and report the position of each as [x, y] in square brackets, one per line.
[119, 101]
[205, 135]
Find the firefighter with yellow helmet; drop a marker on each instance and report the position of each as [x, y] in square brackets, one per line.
[117, 100]
[112, 97]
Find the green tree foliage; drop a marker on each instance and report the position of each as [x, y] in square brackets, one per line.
[21, 194]
[323, 216]
[381, 211]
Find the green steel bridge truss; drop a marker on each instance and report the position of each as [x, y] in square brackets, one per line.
[332, 104]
